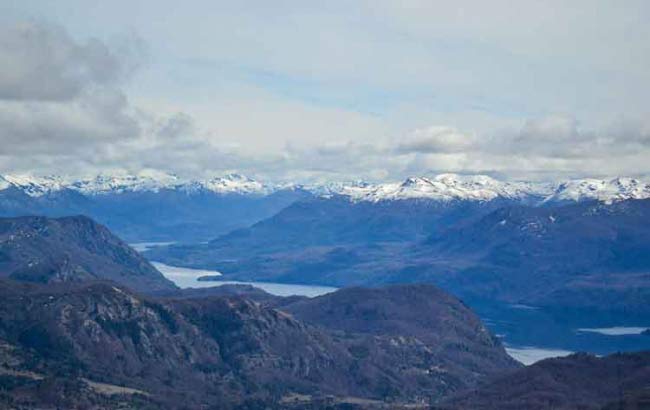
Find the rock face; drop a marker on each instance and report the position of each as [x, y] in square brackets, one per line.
[225, 351]
[72, 249]
[579, 381]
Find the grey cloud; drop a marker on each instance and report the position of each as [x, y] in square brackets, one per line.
[63, 109]
[561, 137]
[97, 117]
[61, 104]
[42, 62]
[555, 136]
[178, 125]
[436, 139]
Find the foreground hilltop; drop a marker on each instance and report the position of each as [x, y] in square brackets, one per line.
[579, 381]
[67, 345]
[416, 313]
[72, 249]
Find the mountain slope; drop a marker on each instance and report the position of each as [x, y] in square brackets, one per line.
[589, 254]
[580, 381]
[324, 236]
[586, 255]
[453, 333]
[154, 206]
[216, 351]
[72, 249]
[145, 208]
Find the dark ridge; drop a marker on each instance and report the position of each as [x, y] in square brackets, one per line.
[72, 249]
[579, 381]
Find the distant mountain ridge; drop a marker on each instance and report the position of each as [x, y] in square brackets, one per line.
[442, 187]
[159, 207]
[148, 208]
[143, 182]
[585, 255]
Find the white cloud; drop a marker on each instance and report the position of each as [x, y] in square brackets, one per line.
[298, 91]
[41, 62]
[437, 139]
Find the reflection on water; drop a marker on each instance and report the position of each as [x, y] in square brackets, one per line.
[187, 278]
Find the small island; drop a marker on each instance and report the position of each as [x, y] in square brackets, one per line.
[209, 278]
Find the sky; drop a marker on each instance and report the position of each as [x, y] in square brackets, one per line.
[303, 91]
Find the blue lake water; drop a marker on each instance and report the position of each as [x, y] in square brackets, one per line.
[187, 278]
[614, 331]
[530, 354]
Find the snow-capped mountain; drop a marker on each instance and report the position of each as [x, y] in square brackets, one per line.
[146, 181]
[119, 183]
[603, 190]
[231, 184]
[443, 187]
[32, 185]
[446, 187]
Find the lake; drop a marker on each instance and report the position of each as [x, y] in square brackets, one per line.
[529, 333]
[187, 278]
[145, 246]
[615, 331]
[529, 354]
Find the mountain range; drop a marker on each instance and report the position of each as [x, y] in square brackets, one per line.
[569, 255]
[87, 323]
[148, 208]
[99, 345]
[442, 187]
[159, 207]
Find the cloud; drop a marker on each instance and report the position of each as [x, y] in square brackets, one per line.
[63, 109]
[338, 106]
[554, 145]
[42, 62]
[437, 139]
[60, 100]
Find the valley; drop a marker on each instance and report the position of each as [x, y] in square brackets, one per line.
[340, 205]
[529, 334]
[345, 298]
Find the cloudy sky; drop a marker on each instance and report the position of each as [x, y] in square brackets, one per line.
[340, 90]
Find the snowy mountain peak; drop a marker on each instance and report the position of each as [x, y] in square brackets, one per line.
[4, 184]
[442, 187]
[33, 185]
[604, 190]
[119, 183]
[235, 184]
[416, 182]
[446, 187]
